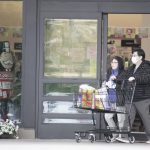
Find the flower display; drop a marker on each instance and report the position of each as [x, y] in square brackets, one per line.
[9, 128]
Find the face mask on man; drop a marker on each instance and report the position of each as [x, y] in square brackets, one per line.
[135, 60]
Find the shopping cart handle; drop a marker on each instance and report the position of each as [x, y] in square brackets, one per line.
[126, 81]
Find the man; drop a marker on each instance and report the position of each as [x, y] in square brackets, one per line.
[140, 73]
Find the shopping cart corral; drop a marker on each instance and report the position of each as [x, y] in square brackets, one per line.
[98, 101]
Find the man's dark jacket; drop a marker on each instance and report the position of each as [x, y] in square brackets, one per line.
[142, 78]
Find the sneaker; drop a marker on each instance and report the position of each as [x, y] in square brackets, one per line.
[123, 140]
[113, 139]
[147, 142]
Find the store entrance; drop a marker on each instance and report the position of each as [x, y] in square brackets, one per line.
[70, 55]
[123, 36]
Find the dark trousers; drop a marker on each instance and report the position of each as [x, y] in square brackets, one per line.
[143, 109]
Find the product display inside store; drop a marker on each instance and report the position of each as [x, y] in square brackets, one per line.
[124, 35]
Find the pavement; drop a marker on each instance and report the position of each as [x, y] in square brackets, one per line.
[67, 144]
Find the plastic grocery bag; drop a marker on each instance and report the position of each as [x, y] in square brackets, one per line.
[104, 96]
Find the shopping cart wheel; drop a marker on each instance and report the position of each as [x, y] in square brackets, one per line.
[131, 138]
[107, 138]
[77, 137]
[91, 137]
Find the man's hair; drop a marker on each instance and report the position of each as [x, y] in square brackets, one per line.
[140, 52]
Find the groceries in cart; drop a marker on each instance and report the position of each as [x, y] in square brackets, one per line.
[86, 96]
[90, 97]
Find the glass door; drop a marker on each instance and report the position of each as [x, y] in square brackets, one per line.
[67, 59]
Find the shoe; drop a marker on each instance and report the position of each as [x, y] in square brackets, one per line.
[113, 139]
[123, 140]
[147, 142]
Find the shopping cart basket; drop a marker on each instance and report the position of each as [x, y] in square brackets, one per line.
[124, 97]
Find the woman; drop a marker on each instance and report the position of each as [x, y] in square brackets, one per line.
[117, 66]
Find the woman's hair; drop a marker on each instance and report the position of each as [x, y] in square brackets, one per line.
[120, 62]
[120, 66]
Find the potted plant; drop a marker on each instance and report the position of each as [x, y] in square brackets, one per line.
[8, 130]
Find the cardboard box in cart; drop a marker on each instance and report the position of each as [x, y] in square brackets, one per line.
[98, 101]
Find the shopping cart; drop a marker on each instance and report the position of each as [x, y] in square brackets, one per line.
[124, 97]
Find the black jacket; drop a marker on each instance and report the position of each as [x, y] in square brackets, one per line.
[142, 78]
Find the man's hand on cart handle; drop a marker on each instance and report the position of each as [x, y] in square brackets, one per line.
[131, 79]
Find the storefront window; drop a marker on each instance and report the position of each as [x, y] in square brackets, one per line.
[11, 58]
[70, 48]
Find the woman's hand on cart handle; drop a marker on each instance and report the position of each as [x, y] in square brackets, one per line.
[113, 78]
[131, 79]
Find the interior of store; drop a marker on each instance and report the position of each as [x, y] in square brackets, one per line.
[125, 34]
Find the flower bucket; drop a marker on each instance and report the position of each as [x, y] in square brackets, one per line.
[7, 136]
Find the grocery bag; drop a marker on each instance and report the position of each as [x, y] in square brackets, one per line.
[104, 96]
